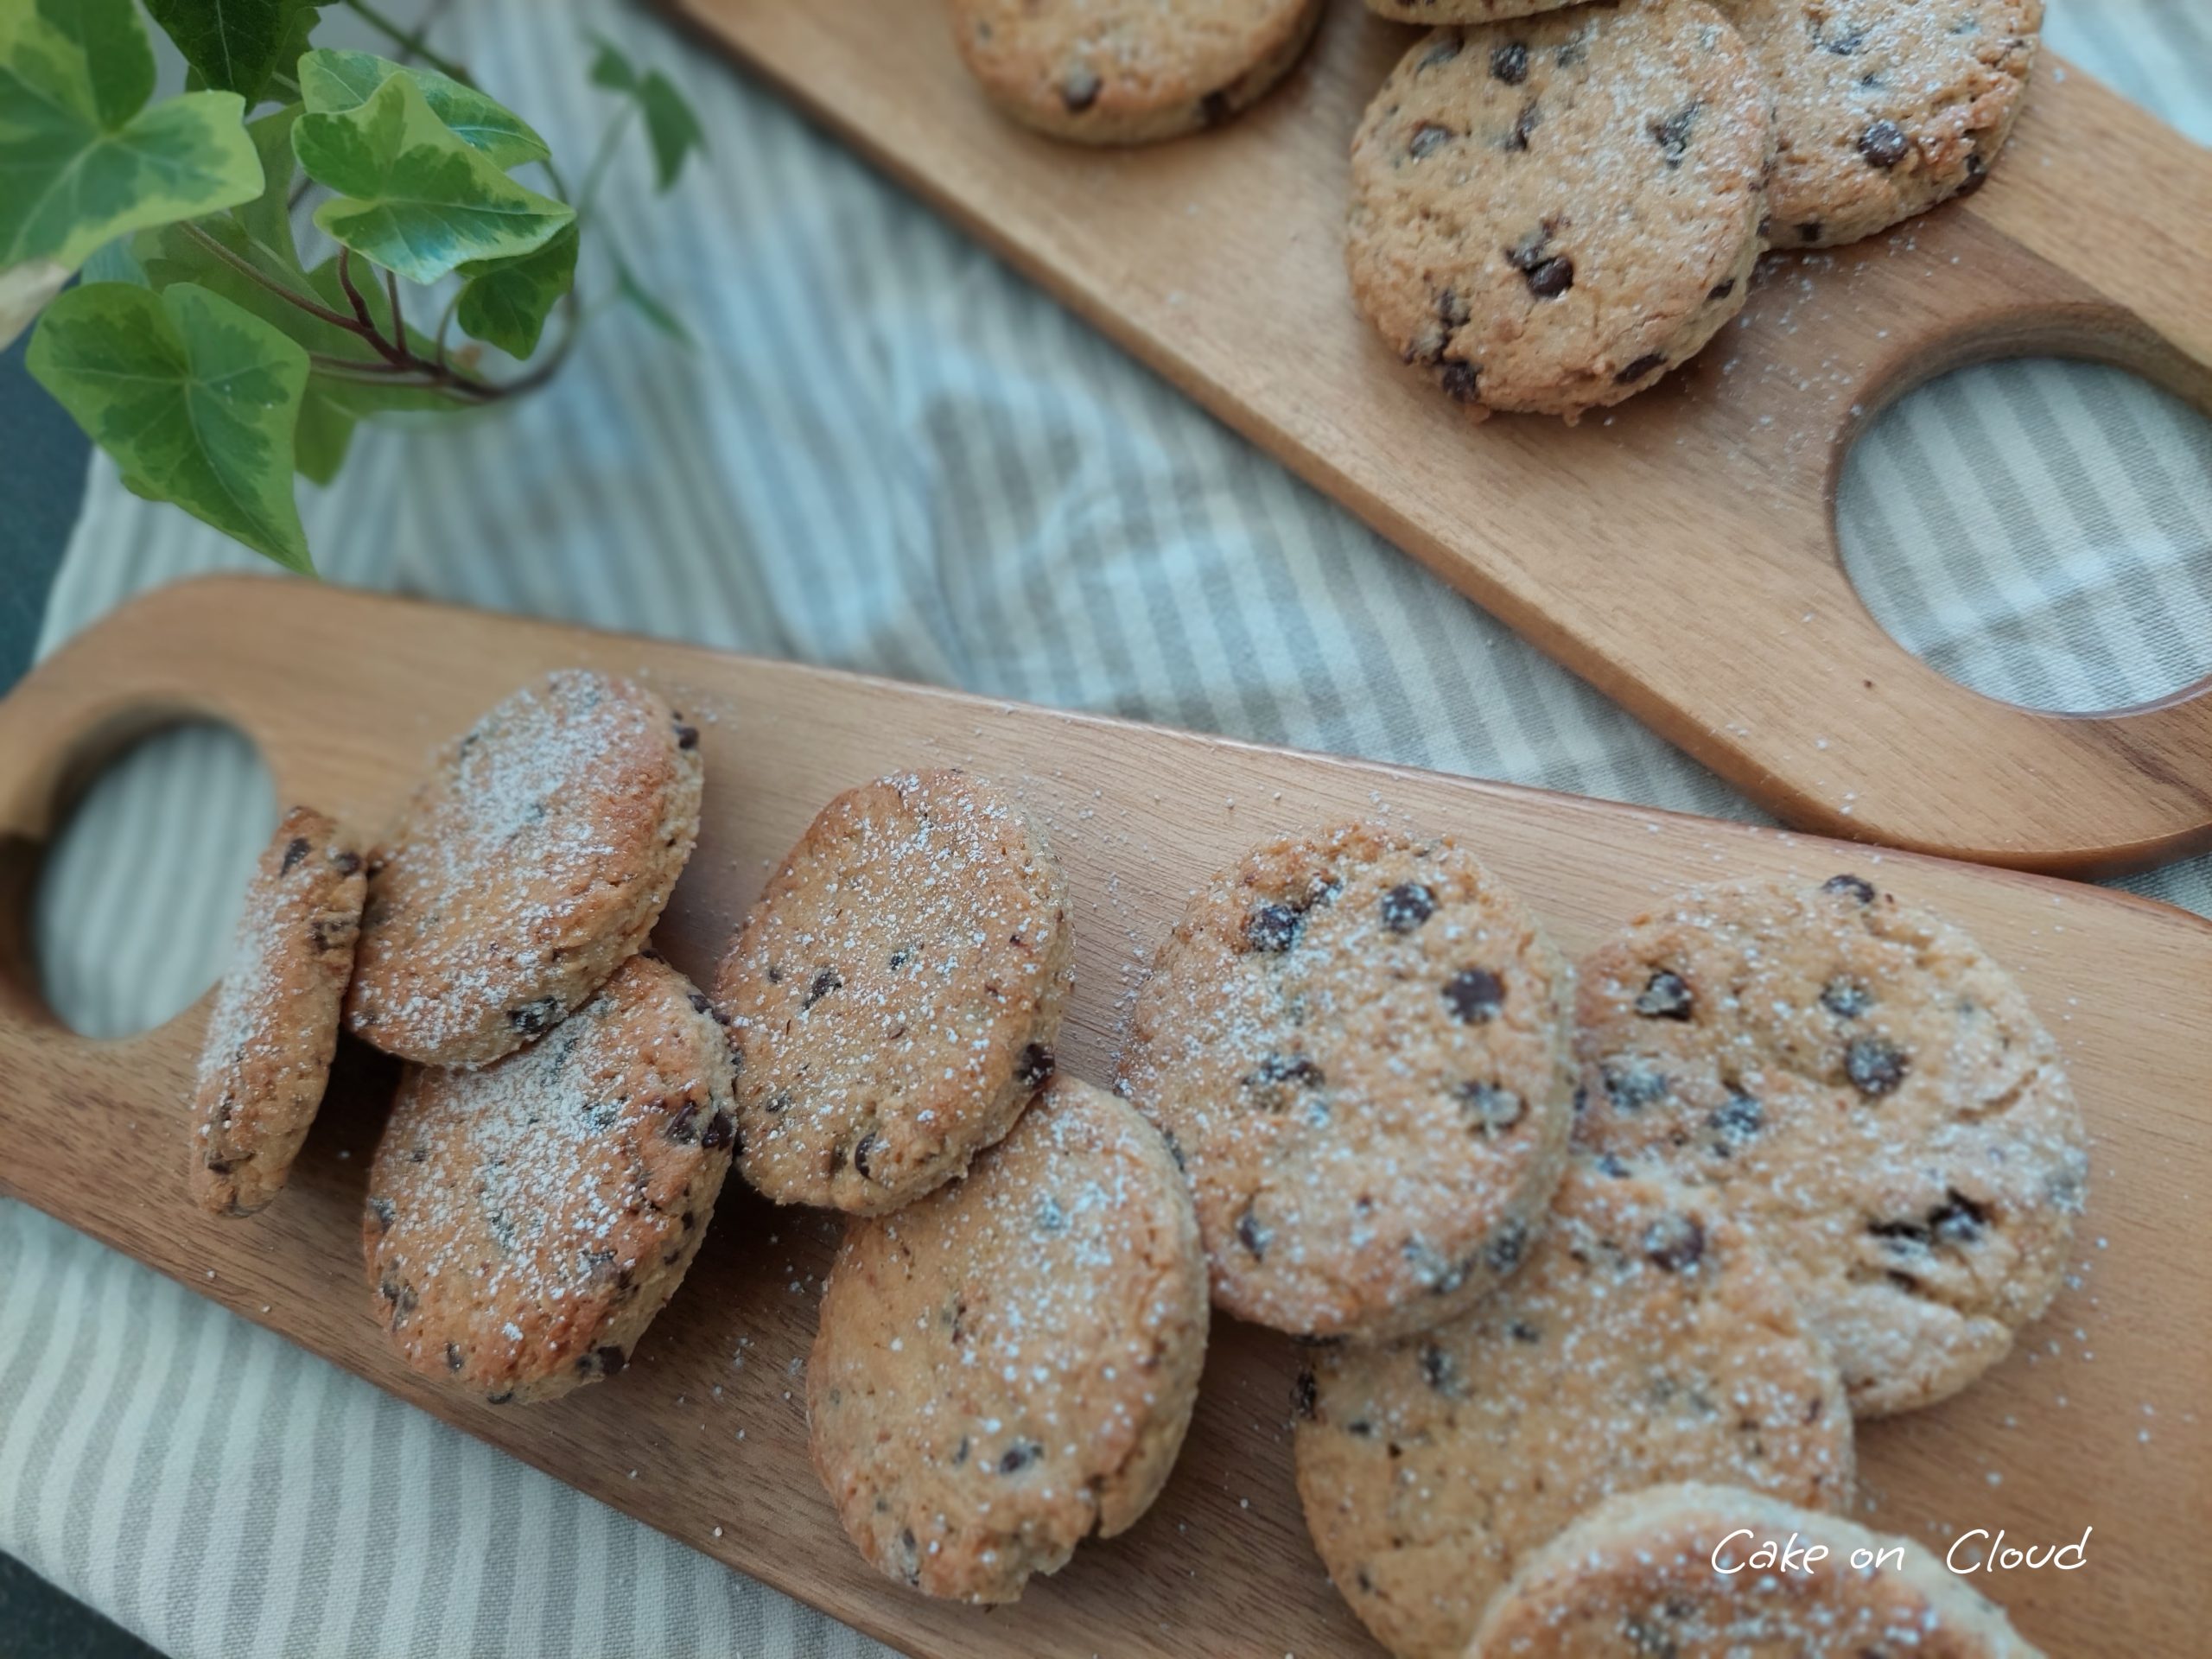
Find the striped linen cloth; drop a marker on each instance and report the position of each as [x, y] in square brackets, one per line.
[886, 453]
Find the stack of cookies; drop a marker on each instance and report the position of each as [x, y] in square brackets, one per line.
[565, 1118]
[1555, 205]
[1012, 1333]
[1791, 1155]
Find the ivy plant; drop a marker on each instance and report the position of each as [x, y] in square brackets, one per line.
[205, 350]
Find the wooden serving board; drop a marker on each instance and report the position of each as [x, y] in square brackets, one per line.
[346, 694]
[1680, 553]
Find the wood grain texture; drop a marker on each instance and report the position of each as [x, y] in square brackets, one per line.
[1679, 553]
[347, 693]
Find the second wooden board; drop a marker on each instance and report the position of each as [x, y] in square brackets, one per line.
[2093, 1422]
[1679, 553]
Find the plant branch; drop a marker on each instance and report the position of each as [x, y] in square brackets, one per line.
[607, 142]
[411, 39]
[284, 290]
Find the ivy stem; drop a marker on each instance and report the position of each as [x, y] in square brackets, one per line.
[410, 40]
[398, 321]
[607, 143]
[336, 319]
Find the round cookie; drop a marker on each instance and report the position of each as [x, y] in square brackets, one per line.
[1638, 1576]
[1886, 107]
[1130, 72]
[1546, 215]
[894, 995]
[534, 863]
[527, 1219]
[1871, 1097]
[265, 1061]
[1357, 1043]
[1647, 1339]
[1010, 1364]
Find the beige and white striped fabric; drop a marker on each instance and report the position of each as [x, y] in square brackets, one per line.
[889, 454]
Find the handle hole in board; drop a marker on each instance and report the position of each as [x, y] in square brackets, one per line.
[131, 907]
[2039, 530]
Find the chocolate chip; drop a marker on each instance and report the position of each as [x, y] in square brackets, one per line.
[1884, 144]
[1524, 125]
[502, 1398]
[1427, 138]
[1407, 905]
[1674, 1242]
[536, 1018]
[1475, 995]
[1958, 1220]
[382, 1213]
[864, 1151]
[1666, 996]
[1437, 1276]
[345, 863]
[1737, 1121]
[1079, 89]
[1672, 135]
[1509, 63]
[826, 980]
[1611, 1165]
[1268, 1076]
[1650, 363]
[960, 1452]
[687, 737]
[1549, 278]
[1305, 1395]
[295, 850]
[1845, 998]
[1844, 45]
[900, 958]
[1722, 290]
[779, 1103]
[1215, 108]
[1521, 1331]
[1875, 1066]
[1491, 1109]
[1857, 886]
[1462, 381]
[454, 1361]
[1034, 1069]
[1811, 231]
[611, 1359]
[1254, 1234]
[1977, 176]
[1437, 1367]
[1274, 928]
[1506, 1247]
[1446, 48]
[1019, 1456]
[1633, 1083]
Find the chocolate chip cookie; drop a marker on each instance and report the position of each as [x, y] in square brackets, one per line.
[1647, 1574]
[1868, 1093]
[1357, 1042]
[1009, 1365]
[1886, 107]
[1549, 214]
[894, 995]
[533, 864]
[1646, 1339]
[527, 1219]
[1128, 71]
[1462, 11]
[265, 1061]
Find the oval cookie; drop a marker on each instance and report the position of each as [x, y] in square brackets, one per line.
[1886, 107]
[1358, 1044]
[265, 1061]
[894, 995]
[1646, 1339]
[535, 860]
[1010, 1364]
[527, 1219]
[1549, 214]
[1649, 1573]
[1127, 72]
[1868, 1093]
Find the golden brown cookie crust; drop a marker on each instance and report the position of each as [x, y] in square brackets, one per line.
[527, 1219]
[1886, 107]
[1127, 71]
[1872, 1098]
[265, 1061]
[531, 865]
[894, 996]
[1646, 1339]
[1357, 1042]
[1549, 214]
[1637, 1576]
[1010, 1364]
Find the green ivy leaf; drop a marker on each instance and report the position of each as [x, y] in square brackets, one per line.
[411, 195]
[82, 159]
[507, 301]
[670, 123]
[632, 294]
[234, 46]
[335, 83]
[195, 399]
[267, 219]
